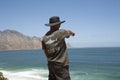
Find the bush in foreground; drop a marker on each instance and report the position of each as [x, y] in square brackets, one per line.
[2, 77]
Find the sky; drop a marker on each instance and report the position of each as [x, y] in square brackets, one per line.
[96, 23]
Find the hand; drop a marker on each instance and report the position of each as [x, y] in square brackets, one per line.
[71, 33]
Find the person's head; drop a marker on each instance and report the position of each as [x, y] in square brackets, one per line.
[55, 27]
[54, 22]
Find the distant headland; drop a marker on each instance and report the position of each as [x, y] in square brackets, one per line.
[14, 40]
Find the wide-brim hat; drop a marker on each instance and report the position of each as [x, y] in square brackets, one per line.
[54, 21]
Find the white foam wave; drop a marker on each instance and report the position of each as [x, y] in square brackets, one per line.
[34, 74]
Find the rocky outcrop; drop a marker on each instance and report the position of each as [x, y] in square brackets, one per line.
[2, 77]
[13, 40]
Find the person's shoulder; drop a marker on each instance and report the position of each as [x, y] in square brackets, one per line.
[45, 35]
[62, 30]
[48, 33]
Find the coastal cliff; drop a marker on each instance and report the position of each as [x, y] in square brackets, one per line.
[13, 40]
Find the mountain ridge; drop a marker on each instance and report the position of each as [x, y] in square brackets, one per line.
[14, 40]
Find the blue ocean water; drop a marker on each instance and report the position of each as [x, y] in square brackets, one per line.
[85, 64]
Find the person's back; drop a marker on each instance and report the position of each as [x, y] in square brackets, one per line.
[54, 46]
[54, 43]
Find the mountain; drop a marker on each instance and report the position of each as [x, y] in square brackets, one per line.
[13, 40]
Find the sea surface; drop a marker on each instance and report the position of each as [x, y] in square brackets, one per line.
[85, 64]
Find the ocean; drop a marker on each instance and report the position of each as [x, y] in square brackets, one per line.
[85, 64]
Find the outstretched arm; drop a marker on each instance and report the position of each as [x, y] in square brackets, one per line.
[65, 33]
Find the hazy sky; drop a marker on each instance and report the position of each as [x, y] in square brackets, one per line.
[95, 22]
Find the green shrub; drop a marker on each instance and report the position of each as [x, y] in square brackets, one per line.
[2, 77]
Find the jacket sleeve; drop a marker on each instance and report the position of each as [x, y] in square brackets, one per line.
[64, 33]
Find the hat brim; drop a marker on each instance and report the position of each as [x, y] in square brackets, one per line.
[53, 24]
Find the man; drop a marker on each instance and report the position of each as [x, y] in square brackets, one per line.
[54, 46]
